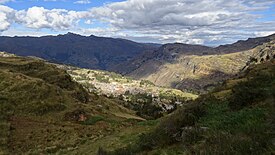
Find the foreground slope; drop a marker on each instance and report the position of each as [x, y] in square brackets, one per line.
[44, 112]
[237, 118]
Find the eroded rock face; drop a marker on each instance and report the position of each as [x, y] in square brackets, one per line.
[199, 73]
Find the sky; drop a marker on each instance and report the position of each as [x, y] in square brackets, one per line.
[208, 22]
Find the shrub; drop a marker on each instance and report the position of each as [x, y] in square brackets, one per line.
[254, 90]
[92, 120]
[150, 111]
[170, 127]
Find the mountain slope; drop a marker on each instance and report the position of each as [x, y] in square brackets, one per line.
[194, 68]
[236, 118]
[43, 111]
[89, 52]
[153, 58]
[200, 69]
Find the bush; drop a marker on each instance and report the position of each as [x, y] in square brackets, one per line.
[93, 120]
[150, 111]
[254, 90]
[167, 131]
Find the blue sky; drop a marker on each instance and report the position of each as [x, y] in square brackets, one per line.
[162, 21]
[64, 4]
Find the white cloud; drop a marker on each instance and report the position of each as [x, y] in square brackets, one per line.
[56, 19]
[148, 13]
[188, 21]
[82, 2]
[6, 17]
[264, 33]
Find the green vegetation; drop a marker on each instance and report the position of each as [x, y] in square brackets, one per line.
[149, 101]
[253, 91]
[35, 88]
[144, 106]
[146, 83]
[149, 123]
[92, 120]
[172, 96]
[42, 111]
[150, 107]
[241, 122]
[102, 78]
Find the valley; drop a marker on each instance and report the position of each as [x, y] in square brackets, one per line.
[183, 102]
[237, 117]
[191, 68]
[137, 77]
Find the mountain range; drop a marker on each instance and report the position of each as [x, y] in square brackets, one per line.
[225, 104]
[88, 52]
[199, 68]
[194, 68]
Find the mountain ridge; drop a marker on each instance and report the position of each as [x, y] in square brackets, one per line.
[177, 66]
[89, 52]
[165, 65]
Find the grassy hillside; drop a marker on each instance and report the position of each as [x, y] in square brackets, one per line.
[44, 112]
[237, 118]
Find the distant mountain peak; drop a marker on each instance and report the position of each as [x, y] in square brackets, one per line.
[72, 34]
[92, 36]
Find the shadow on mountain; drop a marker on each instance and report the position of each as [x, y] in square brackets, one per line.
[149, 62]
[87, 52]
